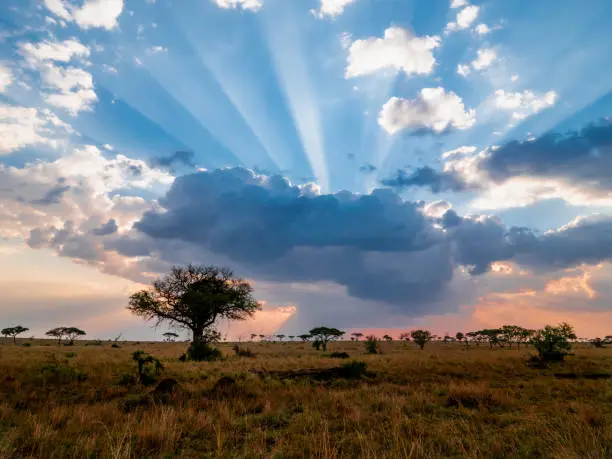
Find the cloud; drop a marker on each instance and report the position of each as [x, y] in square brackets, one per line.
[398, 50]
[368, 168]
[464, 150]
[482, 29]
[6, 77]
[72, 88]
[484, 58]
[463, 70]
[110, 227]
[458, 3]
[434, 110]
[91, 14]
[22, 127]
[332, 8]
[252, 5]
[524, 104]
[180, 157]
[425, 177]
[465, 18]
[54, 195]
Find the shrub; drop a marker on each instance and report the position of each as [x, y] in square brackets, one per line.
[126, 379]
[598, 342]
[338, 355]
[242, 352]
[371, 344]
[353, 370]
[115, 346]
[149, 367]
[202, 352]
[553, 343]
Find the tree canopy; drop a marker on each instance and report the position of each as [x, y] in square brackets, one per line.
[323, 335]
[195, 297]
[421, 337]
[14, 331]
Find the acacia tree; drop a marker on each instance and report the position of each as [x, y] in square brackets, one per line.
[405, 337]
[553, 343]
[323, 335]
[388, 338]
[195, 297]
[14, 331]
[421, 337]
[305, 337]
[170, 336]
[58, 333]
[357, 335]
[72, 333]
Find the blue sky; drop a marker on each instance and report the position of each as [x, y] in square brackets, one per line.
[321, 148]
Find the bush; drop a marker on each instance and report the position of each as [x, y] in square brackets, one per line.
[242, 352]
[27, 344]
[338, 355]
[115, 346]
[149, 367]
[202, 352]
[553, 343]
[127, 380]
[371, 344]
[353, 370]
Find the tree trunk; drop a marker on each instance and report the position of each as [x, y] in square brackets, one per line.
[15, 340]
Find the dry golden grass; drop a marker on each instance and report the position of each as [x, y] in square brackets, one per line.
[63, 402]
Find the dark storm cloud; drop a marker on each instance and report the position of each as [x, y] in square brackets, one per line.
[184, 158]
[378, 246]
[582, 157]
[425, 177]
[107, 229]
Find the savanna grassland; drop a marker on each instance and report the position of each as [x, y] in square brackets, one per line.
[83, 401]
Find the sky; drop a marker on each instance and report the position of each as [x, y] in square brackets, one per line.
[375, 165]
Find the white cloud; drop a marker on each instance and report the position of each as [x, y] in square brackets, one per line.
[464, 150]
[156, 50]
[6, 77]
[465, 18]
[482, 29]
[56, 51]
[434, 109]
[484, 58]
[332, 8]
[91, 14]
[22, 127]
[398, 50]
[463, 70]
[458, 3]
[253, 5]
[524, 104]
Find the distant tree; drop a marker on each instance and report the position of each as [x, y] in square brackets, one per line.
[14, 332]
[305, 337]
[388, 338]
[446, 338]
[553, 343]
[261, 337]
[492, 335]
[323, 335]
[357, 335]
[421, 337]
[511, 334]
[524, 337]
[73, 333]
[170, 336]
[371, 344]
[608, 339]
[194, 298]
[58, 333]
[280, 337]
[291, 337]
[598, 342]
[405, 337]
[459, 336]
[253, 336]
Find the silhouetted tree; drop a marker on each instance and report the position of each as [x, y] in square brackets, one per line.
[405, 337]
[280, 337]
[357, 335]
[253, 336]
[388, 338]
[323, 335]
[14, 332]
[170, 336]
[72, 333]
[305, 337]
[194, 297]
[58, 333]
[421, 337]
